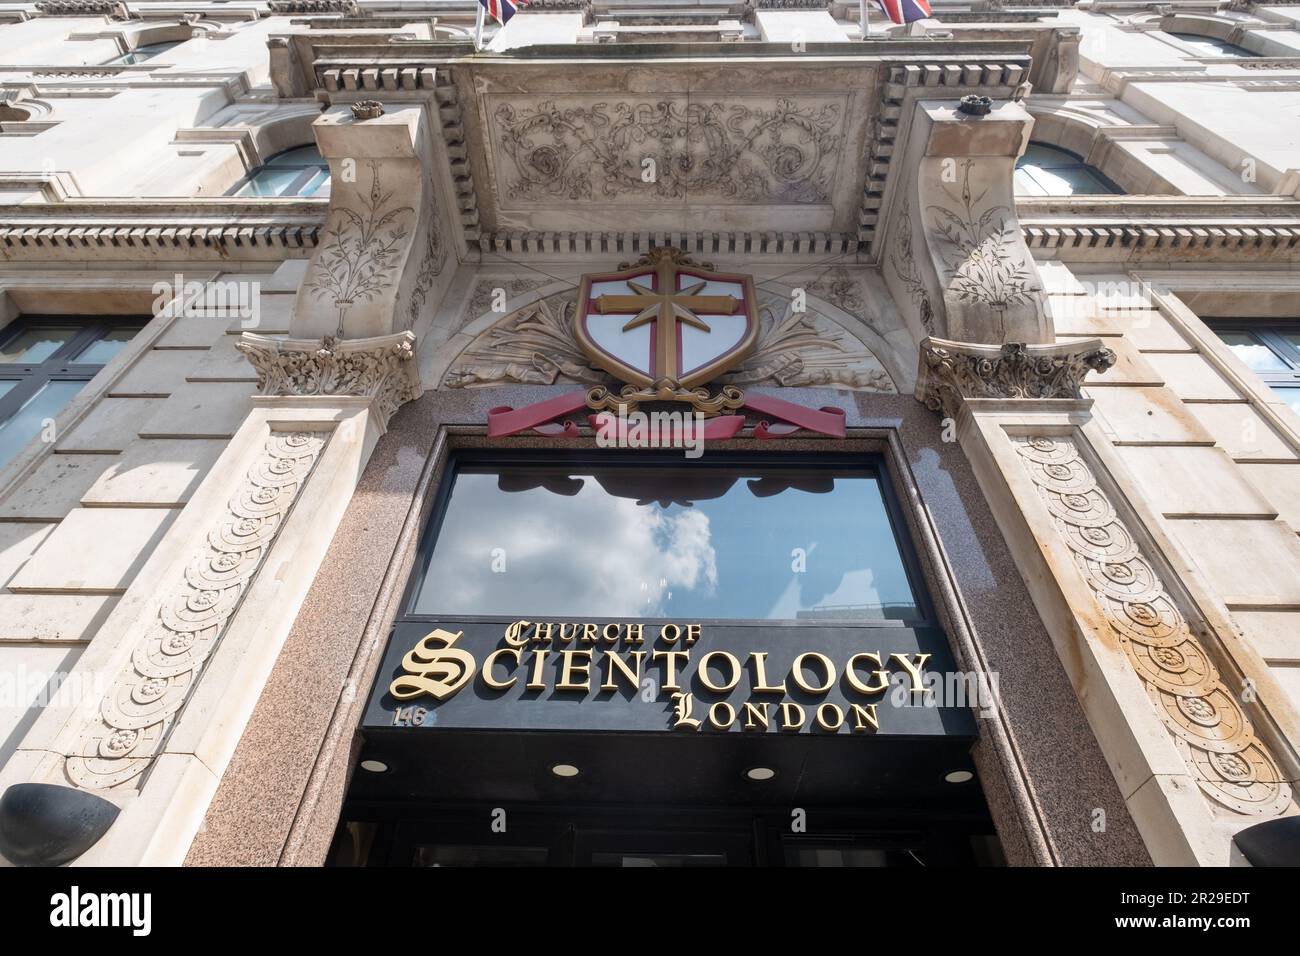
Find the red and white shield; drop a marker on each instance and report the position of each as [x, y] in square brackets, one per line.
[667, 321]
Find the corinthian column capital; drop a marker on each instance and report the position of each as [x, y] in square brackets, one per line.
[381, 368]
[952, 372]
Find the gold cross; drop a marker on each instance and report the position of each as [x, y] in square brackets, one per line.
[667, 307]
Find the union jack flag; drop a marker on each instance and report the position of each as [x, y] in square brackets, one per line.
[902, 11]
[502, 10]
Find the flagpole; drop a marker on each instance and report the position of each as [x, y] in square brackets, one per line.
[478, 27]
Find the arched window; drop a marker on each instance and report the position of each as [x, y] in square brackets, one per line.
[1209, 46]
[142, 53]
[300, 171]
[1049, 171]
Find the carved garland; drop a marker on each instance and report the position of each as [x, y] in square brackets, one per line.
[166, 663]
[1210, 728]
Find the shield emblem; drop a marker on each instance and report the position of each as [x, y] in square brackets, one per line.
[667, 321]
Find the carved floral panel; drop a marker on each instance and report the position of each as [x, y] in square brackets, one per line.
[736, 150]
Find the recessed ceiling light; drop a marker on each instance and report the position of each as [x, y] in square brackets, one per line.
[959, 776]
[565, 770]
[760, 773]
[374, 766]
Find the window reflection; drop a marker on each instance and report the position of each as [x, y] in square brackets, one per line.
[1048, 171]
[667, 541]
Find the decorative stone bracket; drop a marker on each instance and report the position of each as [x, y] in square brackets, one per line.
[956, 258]
[382, 368]
[383, 248]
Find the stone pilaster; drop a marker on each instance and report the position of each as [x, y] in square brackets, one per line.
[1193, 726]
[955, 258]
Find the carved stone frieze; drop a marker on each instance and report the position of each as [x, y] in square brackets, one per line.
[308, 7]
[951, 372]
[1208, 725]
[168, 658]
[381, 368]
[737, 151]
[113, 9]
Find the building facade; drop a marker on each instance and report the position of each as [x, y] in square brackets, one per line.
[315, 547]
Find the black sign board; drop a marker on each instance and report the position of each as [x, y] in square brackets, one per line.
[665, 677]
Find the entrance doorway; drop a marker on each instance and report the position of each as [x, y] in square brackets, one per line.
[477, 836]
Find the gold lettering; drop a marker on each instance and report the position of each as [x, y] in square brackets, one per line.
[913, 670]
[761, 686]
[535, 679]
[862, 716]
[514, 635]
[608, 639]
[670, 666]
[833, 722]
[722, 715]
[692, 633]
[802, 682]
[788, 713]
[589, 633]
[570, 670]
[663, 633]
[882, 676]
[703, 672]
[434, 666]
[614, 662]
[542, 632]
[628, 637]
[566, 635]
[757, 716]
[489, 678]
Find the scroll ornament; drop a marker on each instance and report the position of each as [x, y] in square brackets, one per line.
[1209, 726]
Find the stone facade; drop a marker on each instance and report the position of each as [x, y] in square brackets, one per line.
[171, 542]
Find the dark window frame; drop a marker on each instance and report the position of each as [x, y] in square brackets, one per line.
[60, 366]
[927, 613]
[306, 173]
[1270, 334]
[1076, 164]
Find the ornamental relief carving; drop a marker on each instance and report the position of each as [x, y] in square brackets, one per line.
[535, 345]
[168, 659]
[980, 245]
[381, 368]
[952, 372]
[361, 249]
[735, 151]
[1209, 727]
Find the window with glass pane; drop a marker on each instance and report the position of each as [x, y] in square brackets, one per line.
[634, 539]
[300, 171]
[1270, 349]
[1048, 171]
[1209, 46]
[44, 362]
[142, 53]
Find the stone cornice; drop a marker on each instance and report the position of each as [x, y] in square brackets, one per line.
[382, 368]
[952, 372]
[189, 228]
